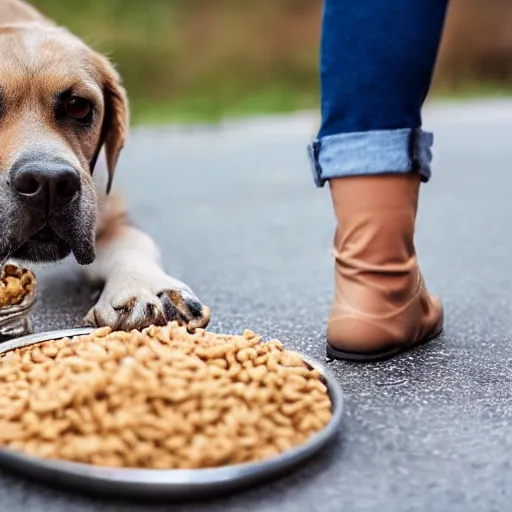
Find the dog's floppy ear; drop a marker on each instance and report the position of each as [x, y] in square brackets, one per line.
[115, 118]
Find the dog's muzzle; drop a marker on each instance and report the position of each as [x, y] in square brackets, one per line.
[53, 211]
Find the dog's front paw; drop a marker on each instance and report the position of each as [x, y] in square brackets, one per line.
[129, 302]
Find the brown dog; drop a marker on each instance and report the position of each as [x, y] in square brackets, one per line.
[62, 111]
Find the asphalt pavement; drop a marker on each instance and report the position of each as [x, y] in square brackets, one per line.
[237, 216]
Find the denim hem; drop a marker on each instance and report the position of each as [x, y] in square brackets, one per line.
[373, 152]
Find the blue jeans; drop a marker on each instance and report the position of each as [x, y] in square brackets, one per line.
[376, 65]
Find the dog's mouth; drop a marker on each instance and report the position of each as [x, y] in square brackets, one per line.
[30, 235]
[54, 242]
[43, 246]
[45, 235]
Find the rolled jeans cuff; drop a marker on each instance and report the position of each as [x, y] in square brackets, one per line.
[369, 153]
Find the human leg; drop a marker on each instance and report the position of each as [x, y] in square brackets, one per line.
[377, 59]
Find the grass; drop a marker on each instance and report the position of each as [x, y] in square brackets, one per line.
[212, 109]
[274, 100]
[473, 89]
[277, 100]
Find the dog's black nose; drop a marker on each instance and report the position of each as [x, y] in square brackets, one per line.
[47, 186]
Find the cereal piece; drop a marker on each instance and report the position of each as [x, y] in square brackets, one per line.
[15, 284]
[162, 398]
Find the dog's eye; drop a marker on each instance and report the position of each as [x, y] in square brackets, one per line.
[78, 108]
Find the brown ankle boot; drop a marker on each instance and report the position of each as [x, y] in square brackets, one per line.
[381, 306]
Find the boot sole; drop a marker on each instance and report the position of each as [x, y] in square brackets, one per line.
[369, 357]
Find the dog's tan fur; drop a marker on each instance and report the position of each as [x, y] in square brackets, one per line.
[37, 60]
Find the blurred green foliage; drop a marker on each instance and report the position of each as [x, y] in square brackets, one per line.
[195, 60]
[203, 59]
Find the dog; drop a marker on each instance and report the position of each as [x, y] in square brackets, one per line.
[64, 111]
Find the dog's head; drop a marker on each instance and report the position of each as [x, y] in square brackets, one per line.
[60, 104]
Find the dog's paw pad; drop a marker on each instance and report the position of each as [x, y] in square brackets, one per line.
[126, 310]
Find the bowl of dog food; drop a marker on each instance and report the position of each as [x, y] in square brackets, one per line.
[162, 411]
[17, 297]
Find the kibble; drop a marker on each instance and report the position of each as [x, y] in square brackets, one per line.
[161, 398]
[15, 284]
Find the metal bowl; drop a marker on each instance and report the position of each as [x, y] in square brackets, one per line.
[173, 483]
